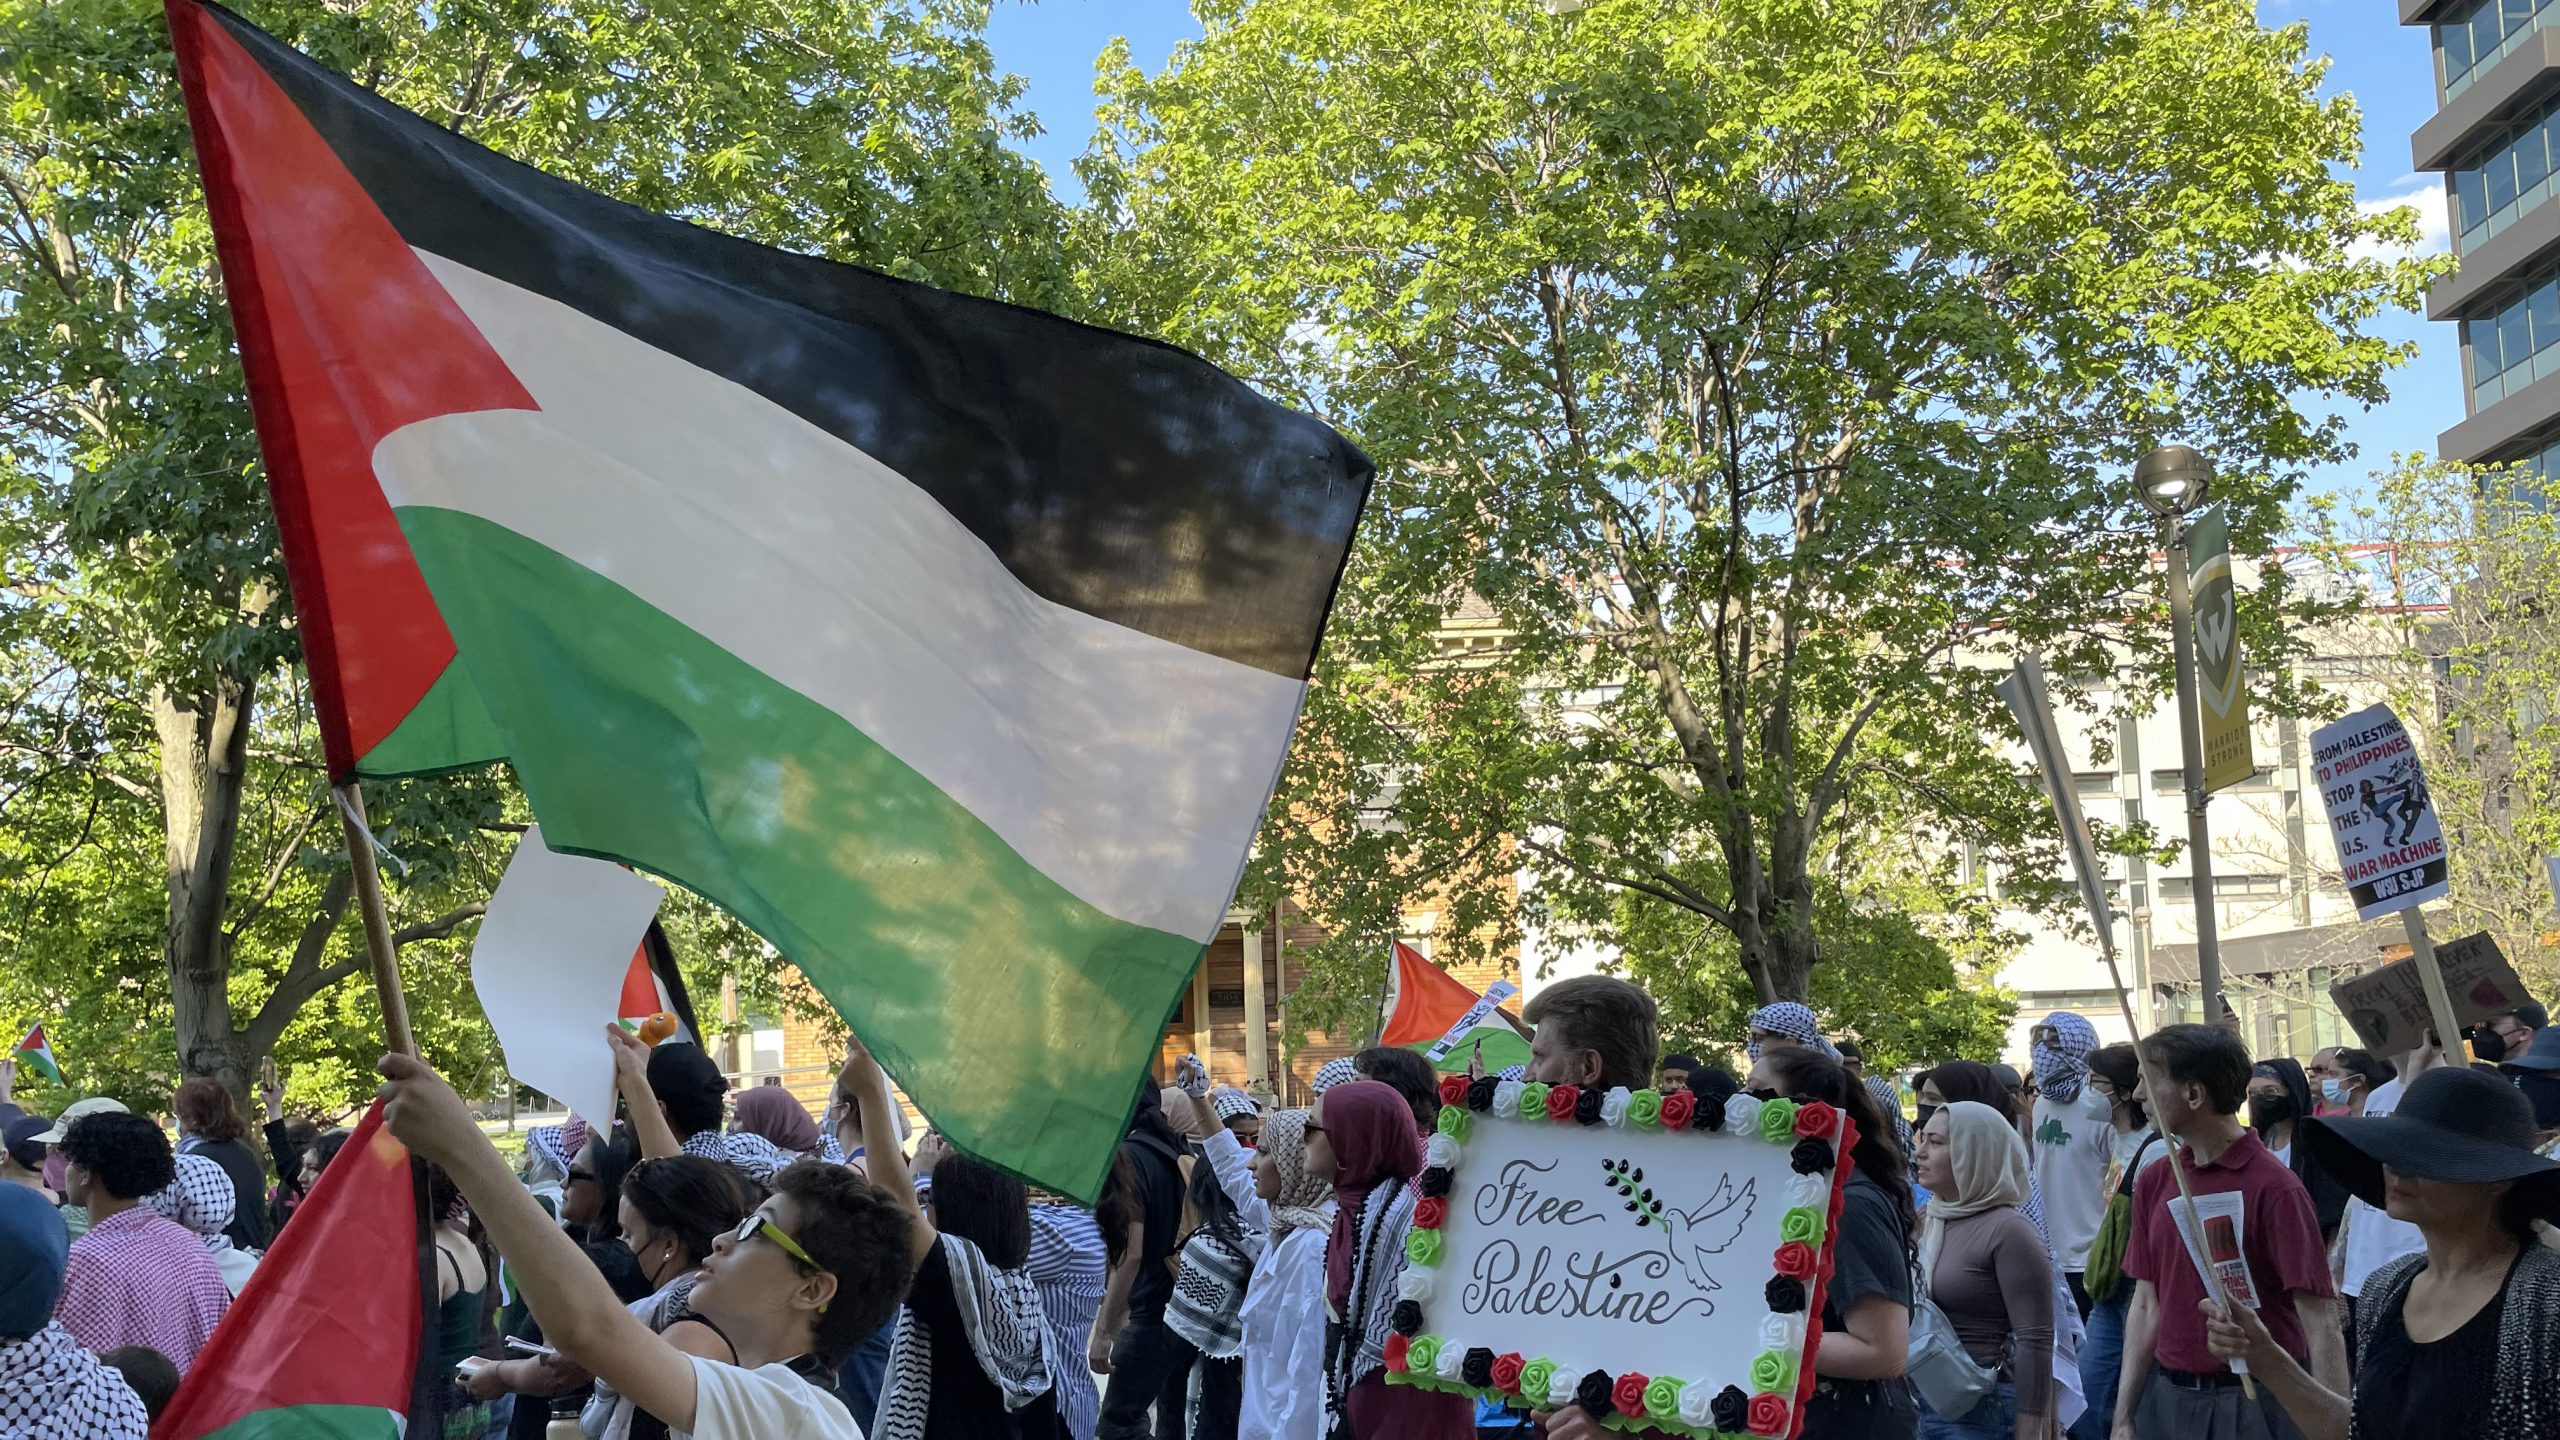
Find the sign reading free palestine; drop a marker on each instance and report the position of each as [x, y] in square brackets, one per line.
[1649, 1257]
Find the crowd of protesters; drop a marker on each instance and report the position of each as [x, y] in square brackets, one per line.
[2013, 1258]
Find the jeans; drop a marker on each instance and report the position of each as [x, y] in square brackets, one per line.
[1150, 1370]
[1993, 1417]
[865, 1372]
[2101, 1357]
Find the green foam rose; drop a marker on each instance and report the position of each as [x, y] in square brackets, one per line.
[1421, 1359]
[1644, 1108]
[1778, 1121]
[1533, 1101]
[1662, 1396]
[1453, 1122]
[1535, 1378]
[1774, 1371]
[1801, 1223]
[1422, 1247]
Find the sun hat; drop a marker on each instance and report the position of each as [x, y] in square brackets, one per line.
[2455, 1125]
[94, 1105]
[2542, 1054]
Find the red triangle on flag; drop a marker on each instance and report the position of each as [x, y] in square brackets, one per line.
[331, 1316]
[1427, 1000]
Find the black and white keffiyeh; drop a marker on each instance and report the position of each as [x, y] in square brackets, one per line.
[1208, 1293]
[51, 1389]
[1386, 1217]
[760, 1158]
[1008, 1333]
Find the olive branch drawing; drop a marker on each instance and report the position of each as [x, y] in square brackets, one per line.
[1686, 1238]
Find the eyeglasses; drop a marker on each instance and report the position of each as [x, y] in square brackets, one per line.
[758, 1223]
[1311, 1128]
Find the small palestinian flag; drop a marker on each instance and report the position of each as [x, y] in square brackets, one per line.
[654, 986]
[951, 646]
[35, 1054]
[1433, 1011]
[323, 1341]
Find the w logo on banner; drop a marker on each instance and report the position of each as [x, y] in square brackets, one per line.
[2221, 682]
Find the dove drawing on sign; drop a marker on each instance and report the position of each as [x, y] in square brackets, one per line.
[1688, 1238]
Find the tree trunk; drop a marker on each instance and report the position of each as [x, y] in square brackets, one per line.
[204, 743]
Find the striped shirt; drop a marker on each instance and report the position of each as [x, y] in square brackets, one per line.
[139, 1279]
[1066, 1263]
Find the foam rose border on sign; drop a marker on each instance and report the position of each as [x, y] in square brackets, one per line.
[1818, 1136]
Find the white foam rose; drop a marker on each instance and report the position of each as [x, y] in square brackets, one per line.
[1742, 1116]
[1810, 1192]
[1415, 1283]
[1697, 1404]
[1613, 1106]
[1560, 1390]
[1506, 1099]
[1441, 1152]
[1451, 1361]
[1782, 1333]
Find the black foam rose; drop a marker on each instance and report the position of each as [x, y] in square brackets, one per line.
[1407, 1318]
[1593, 1395]
[1477, 1368]
[1710, 1116]
[1480, 1093]
[1785, 1294]
[1810, 1157]
[1587, 1109]
[1435, 1183]
[1730, 1411]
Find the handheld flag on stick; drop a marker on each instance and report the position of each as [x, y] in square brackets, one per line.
[323, 1341]
[953, 647]
[36, 1055]
[1432, 1011]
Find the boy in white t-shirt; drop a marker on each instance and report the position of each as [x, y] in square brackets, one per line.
[821, 1264]
[2072, 1138]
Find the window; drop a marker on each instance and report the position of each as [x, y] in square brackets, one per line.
[2094, 782]
[2516, 344]
[2471, 39]
[2225, 887]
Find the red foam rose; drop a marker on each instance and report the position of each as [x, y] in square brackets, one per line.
[1628, 1394]
[1677, 1108]
[1796, 1260]
[1506, 1372]
[1561, 1100]
[1396, 1347]
[1430, 1214]
[1768, 1415]
[1453, 1089]
[1816, 1120]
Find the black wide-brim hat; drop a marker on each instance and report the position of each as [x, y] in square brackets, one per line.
[2455, 1125]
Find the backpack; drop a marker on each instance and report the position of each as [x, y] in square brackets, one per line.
[2105, 1266]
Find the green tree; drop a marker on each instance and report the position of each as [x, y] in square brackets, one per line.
[157, 735]
[1743, 378]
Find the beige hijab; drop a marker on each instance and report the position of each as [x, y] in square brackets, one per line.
[1990, 1165]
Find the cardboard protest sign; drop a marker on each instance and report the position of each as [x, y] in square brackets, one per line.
[549, 964]
[2388, 1007]
[1652, 1258]
[2390, 848]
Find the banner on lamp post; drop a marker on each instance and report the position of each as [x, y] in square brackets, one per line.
[2222, 691]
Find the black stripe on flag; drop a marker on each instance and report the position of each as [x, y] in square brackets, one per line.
[1111, 474]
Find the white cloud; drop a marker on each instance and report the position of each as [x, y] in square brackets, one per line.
[2423, 193]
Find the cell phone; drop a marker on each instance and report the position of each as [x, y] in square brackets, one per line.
[530, 1347]
[470, 1365]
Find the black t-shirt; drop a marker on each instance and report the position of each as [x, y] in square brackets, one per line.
[248, 1228]
[1871, 1258]
[960, 1399]
[1159, 1178]
[2405, 1390]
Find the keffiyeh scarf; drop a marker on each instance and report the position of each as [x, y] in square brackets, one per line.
[1385, 1219]
[1008, 1334]
[1793, 1021]
[51, 1389]
[2063, 1062]
[1305, 1202]
[1889, 1105]
[1337, 1071]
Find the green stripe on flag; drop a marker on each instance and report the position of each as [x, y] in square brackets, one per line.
[313, 1422]
[1018, 1016]
[448, 729]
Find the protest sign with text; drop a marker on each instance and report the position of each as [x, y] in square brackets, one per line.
[2388, 1007]
[2390, 849]
[1651, 1258]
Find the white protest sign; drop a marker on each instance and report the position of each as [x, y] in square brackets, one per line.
[548, 964]
[2390, 849]
[1476, 1015]
[1615, 1250]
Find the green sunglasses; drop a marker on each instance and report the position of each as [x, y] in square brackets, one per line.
[758, 1223]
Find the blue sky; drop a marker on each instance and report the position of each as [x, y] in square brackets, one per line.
[1052, 45]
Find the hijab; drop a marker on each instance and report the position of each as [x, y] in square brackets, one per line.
[1147, 1122]
[2062, 1065]
[1964, 1080]
[1989, 1167]
[777, 1115]
[1371, 1128]
[1301, 1203]
[1191, 1128]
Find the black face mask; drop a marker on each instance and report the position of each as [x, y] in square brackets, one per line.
[2488, 1046]
[1923, 1122]
[2269, 1110]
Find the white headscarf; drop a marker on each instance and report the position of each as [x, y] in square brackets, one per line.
[1989, 1163]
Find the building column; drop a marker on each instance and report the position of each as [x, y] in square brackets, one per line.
[1200, 1031]
[1257, 1034]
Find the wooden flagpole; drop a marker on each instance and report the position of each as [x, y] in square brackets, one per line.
[377, 921]
[2431, 975]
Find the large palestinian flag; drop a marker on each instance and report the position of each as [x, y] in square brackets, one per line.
[323, 1341]
[1430, 1010]
[952, 646]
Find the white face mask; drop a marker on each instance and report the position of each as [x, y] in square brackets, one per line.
[2334, 1090]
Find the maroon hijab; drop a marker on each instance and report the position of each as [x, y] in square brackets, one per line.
[777, 1115]
[1371, 1128]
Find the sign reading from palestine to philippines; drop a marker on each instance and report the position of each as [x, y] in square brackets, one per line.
[2222, 691]
[2390, 849]
[1653, 1258]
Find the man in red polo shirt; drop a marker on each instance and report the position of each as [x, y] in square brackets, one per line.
[2172, 1385]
